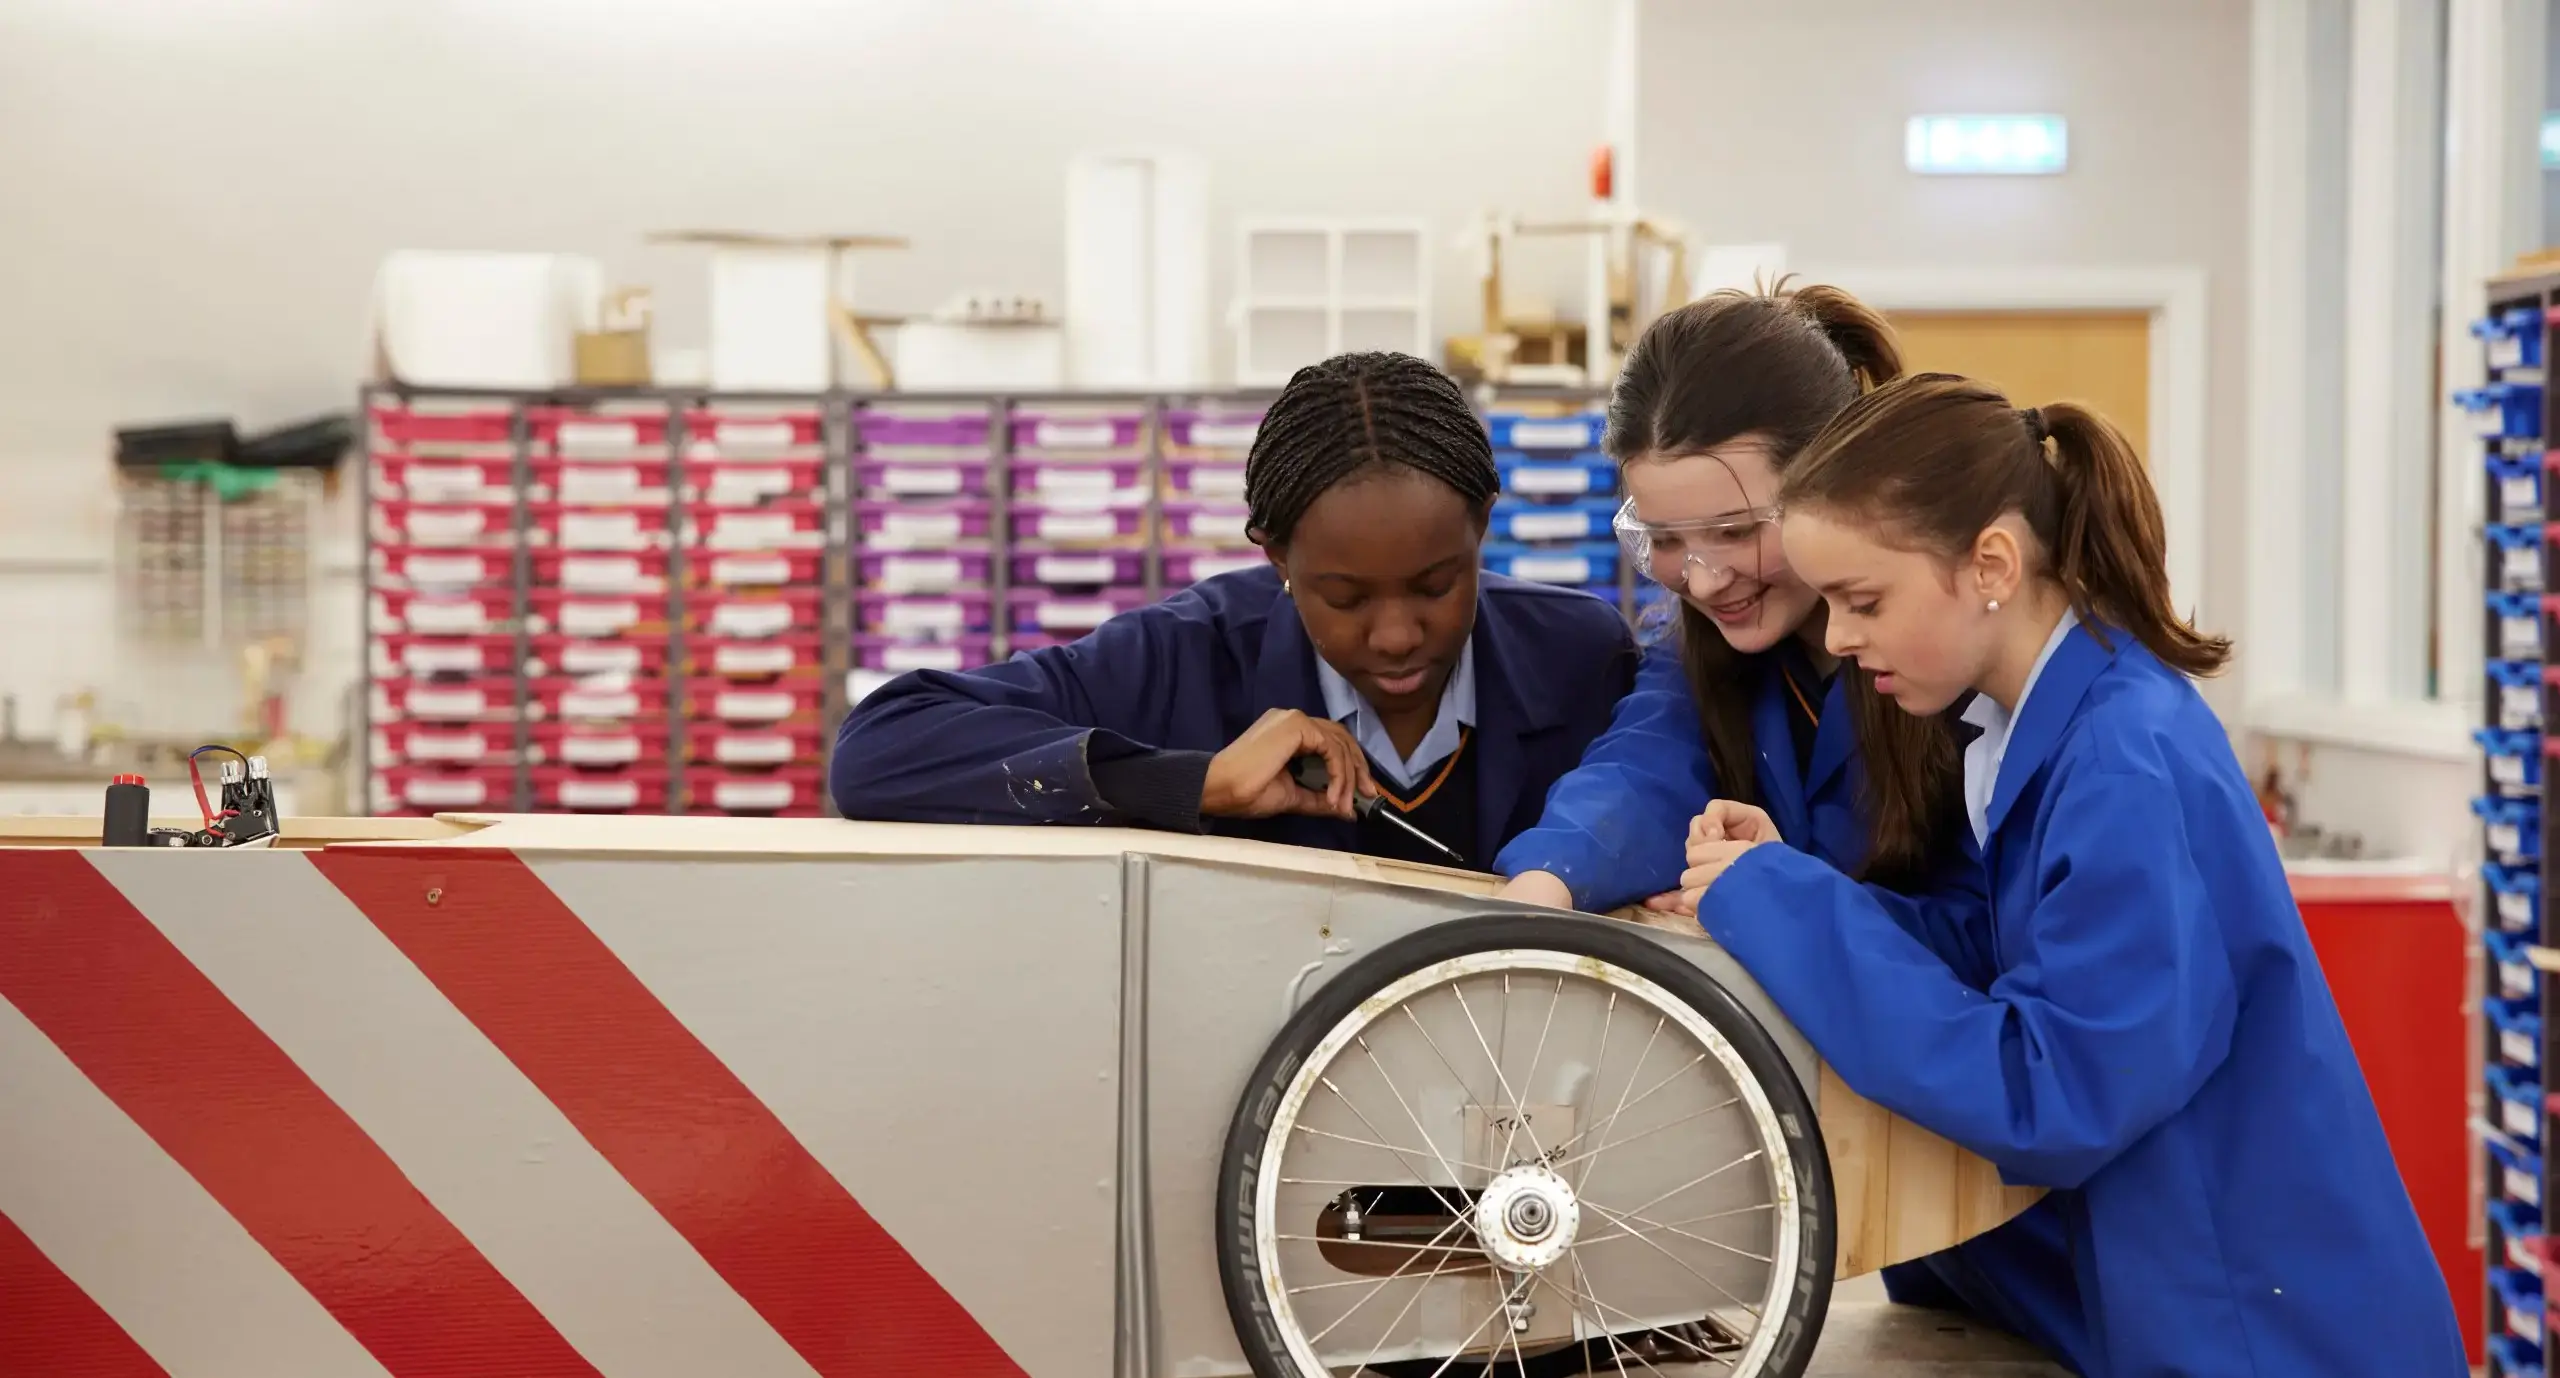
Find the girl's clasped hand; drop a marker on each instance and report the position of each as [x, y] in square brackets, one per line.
[1718, 836]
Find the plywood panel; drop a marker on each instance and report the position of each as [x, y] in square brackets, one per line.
[2101, 358]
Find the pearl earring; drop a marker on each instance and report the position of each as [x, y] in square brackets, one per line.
[1284, 586]
[1992, 606]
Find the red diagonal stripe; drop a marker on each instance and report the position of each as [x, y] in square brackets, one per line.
[677, 1124]
[50, 1326]
[173, 1053]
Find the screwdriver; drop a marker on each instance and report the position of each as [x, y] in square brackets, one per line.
[1308, 770]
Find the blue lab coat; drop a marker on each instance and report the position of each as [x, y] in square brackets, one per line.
[2157, 1046]
[1178, 680]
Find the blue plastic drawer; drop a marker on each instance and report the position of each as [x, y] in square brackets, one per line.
[2519, 1294]
[2519, 1175]
[1511, 430]
[2518, 1113]
[1575, 519]
[2517, 631]
[2518, 693]
[2514, 828]
[2516, 557]
[2510, 411]
[2515, 489]
[2517, 897]
[2514, 337]
[2515, 759]
[2515, 1358]
[2518, 1030]
[1571, 476]
[1586, 562]
[2515, 978]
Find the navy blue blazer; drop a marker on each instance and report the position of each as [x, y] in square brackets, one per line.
[1154, 692]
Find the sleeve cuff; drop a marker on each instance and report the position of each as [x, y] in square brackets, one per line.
[1159, 789]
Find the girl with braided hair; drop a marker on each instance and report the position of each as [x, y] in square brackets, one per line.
[1370, 637]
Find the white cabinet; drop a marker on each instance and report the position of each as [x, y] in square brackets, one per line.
[1310, 288]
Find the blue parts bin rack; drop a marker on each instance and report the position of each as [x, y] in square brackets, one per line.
[1559, 492]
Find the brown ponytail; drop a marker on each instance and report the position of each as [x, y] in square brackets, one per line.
[1933, 459]
[1777, 364]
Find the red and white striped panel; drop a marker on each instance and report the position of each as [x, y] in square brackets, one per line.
[373, 1112]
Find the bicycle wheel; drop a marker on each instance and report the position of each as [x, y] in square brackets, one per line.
[1524, 1145]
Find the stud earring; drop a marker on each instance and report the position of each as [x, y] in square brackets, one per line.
[1992, 606]
[1284, 586]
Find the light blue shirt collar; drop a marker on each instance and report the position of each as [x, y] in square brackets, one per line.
[1344, 705]
[1982, 758]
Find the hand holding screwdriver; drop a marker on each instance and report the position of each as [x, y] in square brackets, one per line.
[1308, 770]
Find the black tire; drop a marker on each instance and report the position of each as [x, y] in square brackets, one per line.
[1618, 943]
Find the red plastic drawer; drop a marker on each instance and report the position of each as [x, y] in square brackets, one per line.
[432, 788]
[444, 745]
[444, 526]
[410, 426]
[722, 791]
[772, 526]
[430, 479]
[785, 744]
[761, 657]
[591, 616]
[721, 432]
[569, 432]
[575, 571]
[594, 745]
[732, 569]
[601, 483]
[447, 569]
[602, 699]
[715, 700]
[746, 616]
[620, 528]
[754, 482]
[439, 702]
[442, 614]
[403, 655]
[580, 657]
[616, 789]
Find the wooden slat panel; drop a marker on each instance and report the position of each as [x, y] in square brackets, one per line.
[2101, 358]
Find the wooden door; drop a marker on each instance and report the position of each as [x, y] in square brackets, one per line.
[2100, 358]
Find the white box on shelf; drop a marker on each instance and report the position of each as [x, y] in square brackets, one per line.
[1310, 288]
[769, 327]
[482, 320]
[1137, 298]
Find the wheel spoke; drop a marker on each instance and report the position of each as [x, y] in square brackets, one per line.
[1400, 1153]
[1620, 1221]
[1692, 1220]
[1318, 1337]
[1639, 1321]
[1626, 1105]
[1502, 1083]
[1529, 1082]
[1726, 1104]
[1445, 1203]
[1653, 1227]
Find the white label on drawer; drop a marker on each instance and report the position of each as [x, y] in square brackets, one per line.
[1225, 526]
[2520, 638]
[442, 526]
[2520, 1120]
[600, 531]
[1552, 569]
[2521, 567]
[599, 483]
[1209, 566]
[1551, 480]
[918, 529]
[1073, 435]
[2506, 351]
[447, 746]
[593, 575]
[2507, 770]
[738, 487]
[599, 751]
[901, 619]
[751, 530]
[751, 705]
[581, 618]
[597, 437]
[919, 573]
[2522, 1254]
[447, 703]
[858, 684]
[2518, 1048]
[2520, 493]
[751, 619]
[600, 658]
[753, 435]
[2521, 1186]
[599, 794]
[2518, 705]
[904, 658]
[750, 569]
[1076, 526]
[1551, 435]
[912, 481]
[2515, 982]
[434, 659]
[751, 751]
[1218, 481]
[599, 703]
[447, 618]
[1074, 569]
[1081, 615]
[445, 569]
[442, 482]
[1054, 482]
[753, 660]
[751, 794]
[1549, 526]
[442, 794]
[1224, 435]
[2525, 1323]
[2515, 909]
[2505, 839]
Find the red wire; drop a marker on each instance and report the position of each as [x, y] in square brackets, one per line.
[195, 777]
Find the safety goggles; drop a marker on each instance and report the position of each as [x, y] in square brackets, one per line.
[1674, 554]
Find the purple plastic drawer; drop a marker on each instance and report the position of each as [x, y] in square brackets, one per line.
[924, 617]
[1206, 523]
[1070, 615]
[890, 655]
[922, 571]
[919, 430]
[884, 524]
[1069, 480]
[1078, 523]
[1079, 568]
[1183, 568]
[1207, 479]
[920, 478]
[1229, 432]
[1068, 432]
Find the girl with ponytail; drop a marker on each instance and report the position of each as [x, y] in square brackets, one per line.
[2139, 1023]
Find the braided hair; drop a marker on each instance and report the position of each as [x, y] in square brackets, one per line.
[1355, 413]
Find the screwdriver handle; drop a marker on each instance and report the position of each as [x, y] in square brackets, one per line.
[1308, 770]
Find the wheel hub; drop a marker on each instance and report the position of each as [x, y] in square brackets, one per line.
[1526, 1218]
